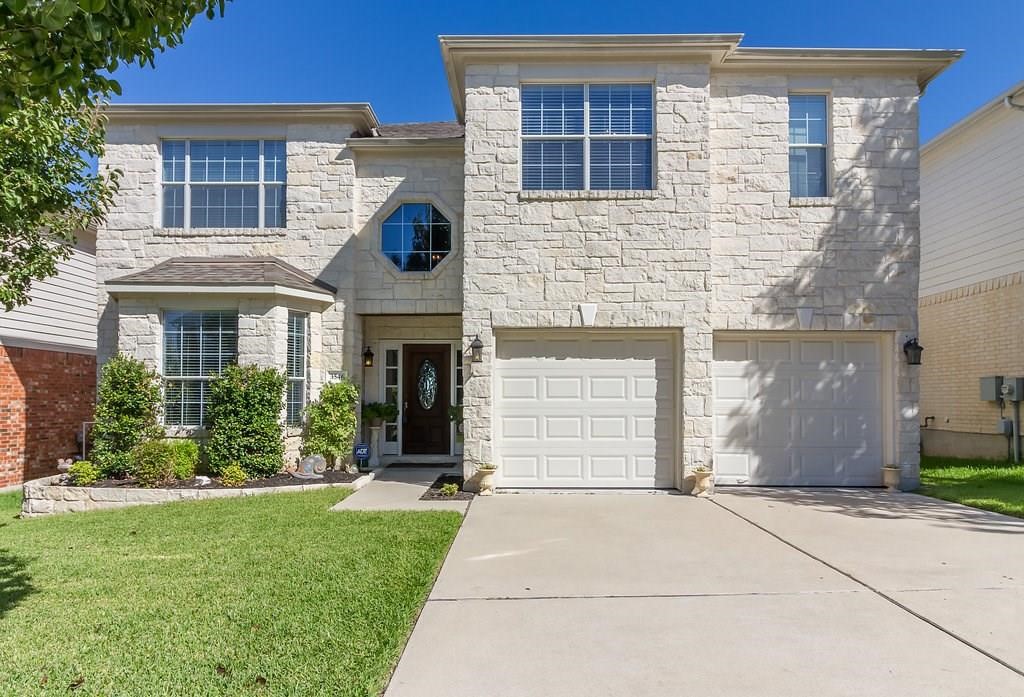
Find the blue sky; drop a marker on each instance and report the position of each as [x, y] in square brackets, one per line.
[387, 53]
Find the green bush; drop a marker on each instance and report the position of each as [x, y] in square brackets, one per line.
[83, 473]
[127, 413]
[449, 489]
[331, 421]
[244, 420]
[153, 463]
[376, 412]
[233, 475]
[186, 457]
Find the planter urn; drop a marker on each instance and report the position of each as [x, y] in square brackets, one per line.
[486, 475]
[703, 480]
[891, 477]
[374, 461]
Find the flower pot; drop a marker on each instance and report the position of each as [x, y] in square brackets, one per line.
[891, 477]
[374, 462]
[702, 483]
[486, 481]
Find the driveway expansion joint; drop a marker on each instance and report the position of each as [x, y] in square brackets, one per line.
[881, 594]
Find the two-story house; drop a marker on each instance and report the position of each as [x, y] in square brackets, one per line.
[630, 256]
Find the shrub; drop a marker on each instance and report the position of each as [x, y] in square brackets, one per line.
[244, 420]
[153, 463]
[449, 489]
[376, 412]
[127, 411]
[233, 475]
[83, 473]
[331, 421]
[186, 457]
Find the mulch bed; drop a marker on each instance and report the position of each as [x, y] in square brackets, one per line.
[330, 477]
[434, 492]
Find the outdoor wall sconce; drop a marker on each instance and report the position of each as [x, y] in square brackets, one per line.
[913, 351]
[367, 358]
[476, 350]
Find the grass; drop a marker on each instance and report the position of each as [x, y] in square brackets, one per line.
[265, 595]
[986, 484]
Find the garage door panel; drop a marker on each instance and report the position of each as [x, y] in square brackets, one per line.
[812, 412]
[584, 411]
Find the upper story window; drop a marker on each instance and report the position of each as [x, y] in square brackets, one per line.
[588, 136]
[224, 183]
[197, 345]
[808, 145]
[298, 359]
[416, 237]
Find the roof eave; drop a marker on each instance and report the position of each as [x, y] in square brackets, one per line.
[456, 51]
[975, 116]
[360, 112]
[120, 288]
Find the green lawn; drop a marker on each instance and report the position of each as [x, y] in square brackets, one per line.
[993, 486]
[265, 595]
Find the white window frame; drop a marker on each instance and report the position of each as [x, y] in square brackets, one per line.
[304, 380]
[187, 184]
[586, 137]
[827, 145]
[164, 378]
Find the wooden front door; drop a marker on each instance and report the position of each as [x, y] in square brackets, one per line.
[426, 380]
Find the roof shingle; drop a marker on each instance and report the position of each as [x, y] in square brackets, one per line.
[428, 129]
[226, 271]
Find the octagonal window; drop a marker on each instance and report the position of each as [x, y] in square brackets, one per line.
[416, 237]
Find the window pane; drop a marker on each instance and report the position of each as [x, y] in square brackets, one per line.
[416, 237]
[274, 206]
[297, 324]
[196, 345]
[224, 161]
[225, 206]
[553, 165]
[274, 159]
[620, 164]
[552, 109]
[174, 205]
[174, 160]
[808, 119]
[621, 109]
[807, 172]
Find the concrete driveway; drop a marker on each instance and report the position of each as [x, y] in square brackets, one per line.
[766, 592]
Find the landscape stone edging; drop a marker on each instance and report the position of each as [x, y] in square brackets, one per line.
[45, 497]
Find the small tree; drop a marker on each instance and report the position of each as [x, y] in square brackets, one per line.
[127, 413]
[331, 421]
[244, 420]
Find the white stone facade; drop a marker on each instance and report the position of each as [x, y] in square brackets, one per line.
[717, 245]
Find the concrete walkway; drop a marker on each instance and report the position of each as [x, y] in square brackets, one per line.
[399, 489]
[546, 594]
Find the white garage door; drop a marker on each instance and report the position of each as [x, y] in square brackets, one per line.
[579, 410]
[798, 410]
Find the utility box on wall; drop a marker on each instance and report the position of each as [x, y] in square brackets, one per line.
[1013, 389]
[991, 388]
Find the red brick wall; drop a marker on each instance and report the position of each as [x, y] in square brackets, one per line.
[44, 398]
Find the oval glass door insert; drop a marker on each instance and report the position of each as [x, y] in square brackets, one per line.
[426, 384]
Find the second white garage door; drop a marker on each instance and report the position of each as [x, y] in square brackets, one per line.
[584, 410]
[798, 410]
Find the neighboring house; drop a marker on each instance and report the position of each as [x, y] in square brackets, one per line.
[671, 251]
[48, 368]
[972, 276]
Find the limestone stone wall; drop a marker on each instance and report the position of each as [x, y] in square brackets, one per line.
[853, 257]
[385, 182]
[532, 257]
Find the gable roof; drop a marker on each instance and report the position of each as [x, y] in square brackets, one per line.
[183, 274]
[995, 104]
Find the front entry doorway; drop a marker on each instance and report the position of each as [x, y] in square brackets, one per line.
[426, 396]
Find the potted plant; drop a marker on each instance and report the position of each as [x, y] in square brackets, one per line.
[891, 477]
[376, 414]
[486, 472]
[703, 480]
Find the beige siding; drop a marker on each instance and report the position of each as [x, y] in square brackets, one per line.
[62, 310]
[972, 203]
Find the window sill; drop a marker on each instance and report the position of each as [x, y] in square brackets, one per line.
[587, 195]
[185, 431]
[221, 232]
[812, 202]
